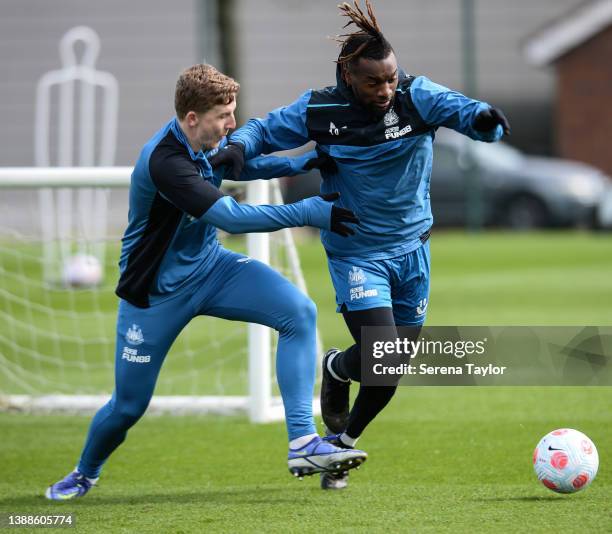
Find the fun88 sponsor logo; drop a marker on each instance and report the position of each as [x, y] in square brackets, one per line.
[131, 355]
[359, 293]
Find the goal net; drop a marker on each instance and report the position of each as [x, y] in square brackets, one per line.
[58, 312]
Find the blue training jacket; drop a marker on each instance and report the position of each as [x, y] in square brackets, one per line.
[176, 207]
[384, 165]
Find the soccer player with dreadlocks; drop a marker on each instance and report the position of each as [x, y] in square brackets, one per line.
[378, 125]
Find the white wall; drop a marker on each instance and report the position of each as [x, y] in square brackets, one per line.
[145, 44]
[283, 50]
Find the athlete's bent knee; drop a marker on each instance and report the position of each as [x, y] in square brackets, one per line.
[130, 413]
[302, 315]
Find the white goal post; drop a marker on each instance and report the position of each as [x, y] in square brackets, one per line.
[19, 362]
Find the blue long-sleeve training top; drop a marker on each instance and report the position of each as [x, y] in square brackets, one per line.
[175, 207]
[384, 164]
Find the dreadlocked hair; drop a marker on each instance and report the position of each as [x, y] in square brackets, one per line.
[368, 42]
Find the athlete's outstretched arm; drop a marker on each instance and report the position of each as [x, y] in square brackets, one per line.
[180, 183]
[440, 106]
[268, 167]
[282, 129]
[318, 212]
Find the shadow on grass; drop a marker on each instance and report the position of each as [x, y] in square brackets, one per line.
[524, 498]
[247, 496]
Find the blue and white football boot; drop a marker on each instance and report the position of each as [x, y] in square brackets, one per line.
[320, 456]
[73, 486]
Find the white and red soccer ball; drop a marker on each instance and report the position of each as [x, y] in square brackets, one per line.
[565, 460]
[82, 271]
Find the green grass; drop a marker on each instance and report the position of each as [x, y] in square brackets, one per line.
[441, 459]
[494, 279]
[53, 338]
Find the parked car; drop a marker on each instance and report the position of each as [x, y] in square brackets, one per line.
[513, 189]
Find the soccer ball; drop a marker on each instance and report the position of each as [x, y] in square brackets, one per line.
[565, 460]
[82, 270]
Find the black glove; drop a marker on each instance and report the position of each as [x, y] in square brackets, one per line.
[232, 155]
[340, 216]
[323, 162]
[488, 119]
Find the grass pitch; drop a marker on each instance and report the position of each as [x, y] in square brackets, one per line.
[441, 459]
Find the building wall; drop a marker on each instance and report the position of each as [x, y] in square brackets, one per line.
[584, 112]
[144, 44]
[282, 50]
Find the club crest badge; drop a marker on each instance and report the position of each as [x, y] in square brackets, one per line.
[134, 335]
[391, 118]
[356, 276]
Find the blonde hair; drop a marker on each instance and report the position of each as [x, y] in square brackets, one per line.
[202, 87]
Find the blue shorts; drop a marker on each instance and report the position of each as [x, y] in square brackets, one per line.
[401, 283]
